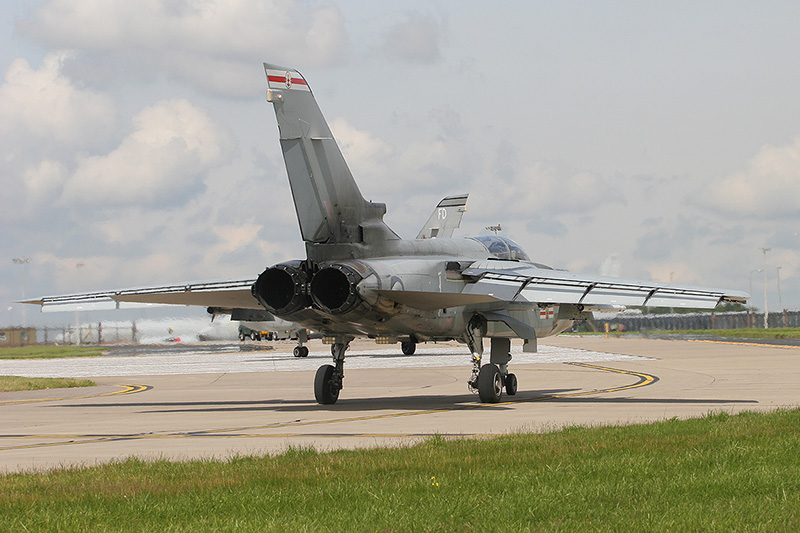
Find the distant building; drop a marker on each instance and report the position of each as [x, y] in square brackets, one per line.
[17, 336]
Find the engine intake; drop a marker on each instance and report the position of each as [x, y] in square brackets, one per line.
[281, 288]
[334, 289]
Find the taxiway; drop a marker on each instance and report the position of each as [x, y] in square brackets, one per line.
[201, 405]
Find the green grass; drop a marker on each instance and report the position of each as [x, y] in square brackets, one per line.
[744, 333]
[49, 352]
[16, 383]
[716, 473]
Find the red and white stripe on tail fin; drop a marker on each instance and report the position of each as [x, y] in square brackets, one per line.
[284, 79]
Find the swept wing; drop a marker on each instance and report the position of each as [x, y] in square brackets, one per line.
[221, 294]
[543, 286]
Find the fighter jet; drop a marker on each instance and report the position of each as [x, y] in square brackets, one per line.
[360, 279]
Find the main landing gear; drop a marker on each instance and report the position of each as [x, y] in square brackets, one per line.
[408, 347]
[491, 383]
[489, 380]
[300, 350]
[328, 381]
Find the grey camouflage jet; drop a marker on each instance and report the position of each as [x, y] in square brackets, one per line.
[360, 279]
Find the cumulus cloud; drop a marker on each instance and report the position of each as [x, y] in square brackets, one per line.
[366, 155]
[213, 44]
[547, 188]
[41, 107]
[769, 186]
[43, 181]
[386, 169]
[45, 118]
[414, 40]
[165, 158]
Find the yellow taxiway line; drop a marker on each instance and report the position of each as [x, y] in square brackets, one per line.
[125, 389]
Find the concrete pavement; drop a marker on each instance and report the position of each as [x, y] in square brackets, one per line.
[256, 404]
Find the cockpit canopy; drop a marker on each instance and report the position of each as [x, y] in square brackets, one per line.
[502, 247]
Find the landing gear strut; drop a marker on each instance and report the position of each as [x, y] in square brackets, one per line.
[489, 380]
[328, 381]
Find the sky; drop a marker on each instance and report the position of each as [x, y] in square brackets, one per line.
[658, 141]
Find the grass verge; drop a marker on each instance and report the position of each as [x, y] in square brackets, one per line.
[16, 383]
[49, 352]
[744, 333]
[716, 473]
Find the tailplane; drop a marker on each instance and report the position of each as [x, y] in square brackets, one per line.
[330, 208]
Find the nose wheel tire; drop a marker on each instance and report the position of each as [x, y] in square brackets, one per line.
[490, 384]
[408, 348]
[326, 391]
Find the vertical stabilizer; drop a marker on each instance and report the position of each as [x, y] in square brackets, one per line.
[330, 208]
[445, 218]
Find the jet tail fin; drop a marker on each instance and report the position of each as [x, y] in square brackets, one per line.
[446, 217]
[329, 205]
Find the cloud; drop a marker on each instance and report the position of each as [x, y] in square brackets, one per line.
[662, 240]
[41, 108]
[45, 119]
[545, 188]
[415, 40]
[545, 225]
[366, 155]
[211, 44]
[419, 165]
[449, 121]
[768, 188]
[164, 159]
[43, 181]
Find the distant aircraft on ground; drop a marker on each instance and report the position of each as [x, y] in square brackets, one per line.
[269, 330]
[360, 279]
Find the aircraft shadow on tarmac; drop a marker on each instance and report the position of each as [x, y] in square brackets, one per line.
[410, 403]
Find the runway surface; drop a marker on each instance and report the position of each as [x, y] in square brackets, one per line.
[200, 405]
